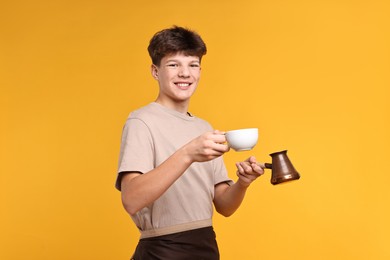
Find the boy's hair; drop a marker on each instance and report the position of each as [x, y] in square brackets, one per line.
[176, 40]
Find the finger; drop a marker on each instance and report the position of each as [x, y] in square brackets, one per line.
[218, 138]
[241, 174]
[223, 148]
[257, 168]
[243, 177]
[251, 169]
[247, 167]
[239, 168]
[252, 159]
[219, 132]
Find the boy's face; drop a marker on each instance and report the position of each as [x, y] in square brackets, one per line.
[178, 76]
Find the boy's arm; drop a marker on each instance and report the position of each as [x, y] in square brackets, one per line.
[227, 199]
[139, 190]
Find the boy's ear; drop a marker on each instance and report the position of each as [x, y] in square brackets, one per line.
[154, 71]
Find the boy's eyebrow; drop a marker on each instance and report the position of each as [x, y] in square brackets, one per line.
[176, 60]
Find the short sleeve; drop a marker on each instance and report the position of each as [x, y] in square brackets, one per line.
[220, 172]
[136, 151]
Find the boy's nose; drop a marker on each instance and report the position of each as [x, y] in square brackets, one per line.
[184, 72]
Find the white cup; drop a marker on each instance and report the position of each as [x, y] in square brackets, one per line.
[242, 139]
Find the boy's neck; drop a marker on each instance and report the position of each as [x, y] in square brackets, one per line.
[181, 107]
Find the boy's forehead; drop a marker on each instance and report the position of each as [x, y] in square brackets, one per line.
[180, 56]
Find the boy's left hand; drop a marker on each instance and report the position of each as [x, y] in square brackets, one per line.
[249, 170]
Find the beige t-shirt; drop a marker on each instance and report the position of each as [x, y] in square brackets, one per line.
[152, 134]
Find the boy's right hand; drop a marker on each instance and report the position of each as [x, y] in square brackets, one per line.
[207, 146]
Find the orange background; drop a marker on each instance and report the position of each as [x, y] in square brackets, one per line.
[313, 76]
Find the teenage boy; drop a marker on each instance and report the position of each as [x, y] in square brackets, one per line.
[171, 171]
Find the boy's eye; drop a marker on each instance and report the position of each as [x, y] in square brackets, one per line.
[195, 65]
[172, 65]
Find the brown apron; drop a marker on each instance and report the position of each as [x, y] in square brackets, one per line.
[197, 244]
